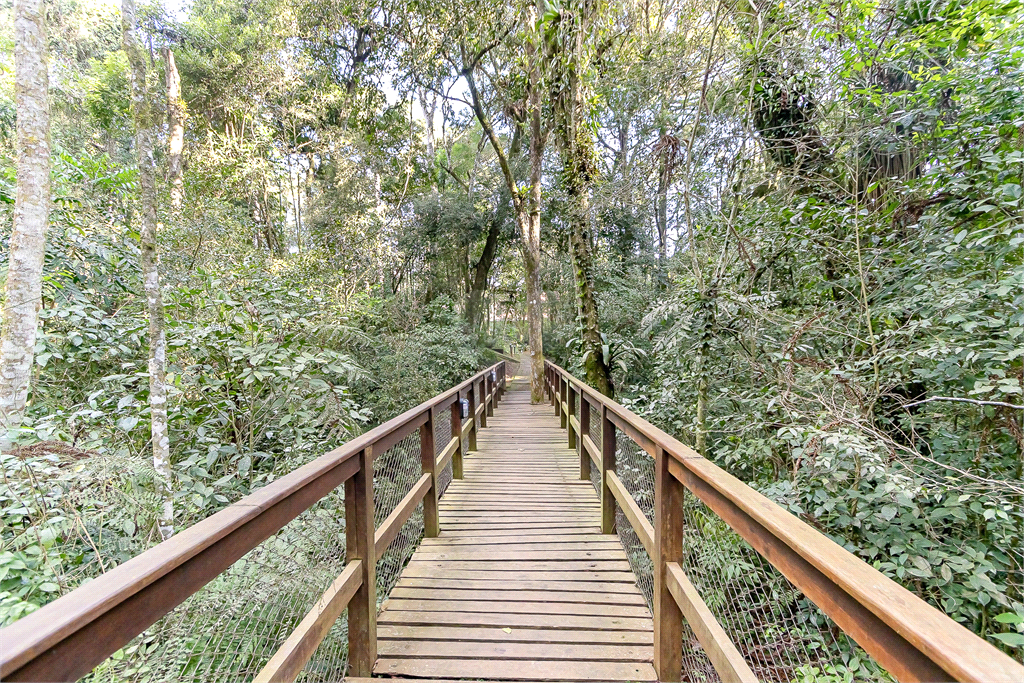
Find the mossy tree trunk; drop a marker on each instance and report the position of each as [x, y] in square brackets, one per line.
[568, 59]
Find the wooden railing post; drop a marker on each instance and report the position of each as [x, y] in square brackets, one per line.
[471, 395]
[428, 456]
[457, 433]
[607, 465]
[359, 531]
[563, 385]
[570, 401]
[668, 540]
[559, 397]
[483, 400]
[490, 378]
[584, 429]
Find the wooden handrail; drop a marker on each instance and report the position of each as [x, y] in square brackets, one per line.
[644, 529]
[906, 635]
[447, 452]
[67, 638]
[390, 527]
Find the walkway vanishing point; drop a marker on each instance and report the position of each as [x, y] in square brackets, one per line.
[485, 538]
[520, 571]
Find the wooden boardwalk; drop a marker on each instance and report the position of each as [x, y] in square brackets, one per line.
[521, 584]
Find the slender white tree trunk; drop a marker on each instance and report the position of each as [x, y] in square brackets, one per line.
[176, 120]
[31, 214]
[145, 128]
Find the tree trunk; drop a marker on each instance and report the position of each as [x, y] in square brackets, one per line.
[145, 128]
[526, 205]
[570, 105]
[530, 228]
[595, 364]
[661, 202]
[31, 214]
[481, 271]
[176, 122]
[429, 106]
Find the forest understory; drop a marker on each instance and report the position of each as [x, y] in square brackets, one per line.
[234, 235]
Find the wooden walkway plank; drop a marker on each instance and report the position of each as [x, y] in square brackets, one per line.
[443, 593]
[503, 669]
[520, 584]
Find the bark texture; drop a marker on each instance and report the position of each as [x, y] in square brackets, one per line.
[176, 114]
[531, 232]
[145, 129]
[570, 105]
[31, 214]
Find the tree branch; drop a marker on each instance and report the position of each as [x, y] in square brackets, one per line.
[450, 172]
[485, 123]
[972, 401]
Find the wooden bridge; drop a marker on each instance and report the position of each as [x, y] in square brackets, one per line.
[565, 541]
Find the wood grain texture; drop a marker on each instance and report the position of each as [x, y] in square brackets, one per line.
[390, 527]
[359, 545]
[500, 670]
[447, 453]
[520, 584]
[644, 529]
[592, 450]
[68, 637]
[668, 543]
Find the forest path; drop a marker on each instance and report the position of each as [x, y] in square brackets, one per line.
[520, 584]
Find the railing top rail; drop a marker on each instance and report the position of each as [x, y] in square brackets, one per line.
[958, 651]
[184, 563]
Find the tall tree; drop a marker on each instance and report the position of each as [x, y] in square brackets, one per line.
[569, 60]
[31, 214]
[531, 235]
[526, 198]
[145, 130]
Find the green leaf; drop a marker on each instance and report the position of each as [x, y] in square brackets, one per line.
[1011, 639]
[1009, 618]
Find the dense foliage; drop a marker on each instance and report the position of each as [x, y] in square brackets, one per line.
[805, 236]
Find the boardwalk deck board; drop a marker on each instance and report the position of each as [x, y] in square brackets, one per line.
[520, 584]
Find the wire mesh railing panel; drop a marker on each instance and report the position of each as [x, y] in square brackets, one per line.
[635, 469]
[781, 634]
[230, 628]
[321, 667]
[395, 472]
[442, 435]
[595, 436]
[444, 477]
